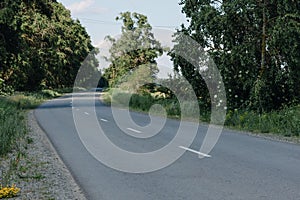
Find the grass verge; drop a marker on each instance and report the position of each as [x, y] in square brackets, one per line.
[285, 122]
[142, 103]
[12, 116]
[13, 130]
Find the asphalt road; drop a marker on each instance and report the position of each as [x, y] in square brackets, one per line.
[240, 167]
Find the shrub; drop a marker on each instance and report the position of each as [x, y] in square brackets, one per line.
[49, 93]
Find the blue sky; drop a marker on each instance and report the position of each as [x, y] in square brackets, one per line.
[98, 16]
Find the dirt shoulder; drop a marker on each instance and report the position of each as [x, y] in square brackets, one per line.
[37, 170]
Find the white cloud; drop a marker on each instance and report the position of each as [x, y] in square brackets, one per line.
[85, 6]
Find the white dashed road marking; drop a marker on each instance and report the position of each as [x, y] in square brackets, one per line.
[133, 130]
[194, 151]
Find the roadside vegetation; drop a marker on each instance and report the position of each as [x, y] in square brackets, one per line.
[284, 122]
[13, 116]
[41, 46]
[41, 51]
[253, 44]
[13, 135]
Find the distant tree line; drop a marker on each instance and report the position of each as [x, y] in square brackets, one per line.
[41, 46]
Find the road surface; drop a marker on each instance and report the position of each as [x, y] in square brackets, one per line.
[241, 166]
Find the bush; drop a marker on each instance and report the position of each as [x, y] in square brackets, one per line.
[143, 102]
[49, 93]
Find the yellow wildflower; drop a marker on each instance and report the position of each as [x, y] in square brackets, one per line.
[8, 192]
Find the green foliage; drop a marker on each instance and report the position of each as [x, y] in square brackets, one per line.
[42, 47]
[140, 102]
[255, 45]
[24, 101]
[50, 93]
[4, 89]
[144, 101]
[285, 122]
[12, 123]
[136, 47]
[12, 115]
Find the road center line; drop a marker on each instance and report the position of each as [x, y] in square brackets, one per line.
[133, 130]
[194, 151]
[104, 120]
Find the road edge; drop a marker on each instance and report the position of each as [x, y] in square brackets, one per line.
[73, 187]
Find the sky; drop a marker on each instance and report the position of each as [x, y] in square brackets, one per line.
[98, 17]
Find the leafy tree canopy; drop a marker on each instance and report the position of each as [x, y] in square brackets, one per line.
[255, 45]
[41, 45]
[136, 47]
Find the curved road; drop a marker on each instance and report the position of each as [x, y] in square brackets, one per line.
[240, 167]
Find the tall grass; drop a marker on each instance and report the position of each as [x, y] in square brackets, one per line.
[143, 102]
[285, 122]
[13, 116]
[12, 123]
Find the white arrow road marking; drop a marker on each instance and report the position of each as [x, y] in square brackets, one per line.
[133, 130]
[104, 120]
[194, 151]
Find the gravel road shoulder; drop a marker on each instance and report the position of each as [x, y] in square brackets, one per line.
[39, 173]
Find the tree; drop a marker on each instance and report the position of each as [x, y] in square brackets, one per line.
[41, 45]
[249, 41]
[136, 47]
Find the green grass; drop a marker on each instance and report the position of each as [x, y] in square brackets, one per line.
[12, 123]
[13, 116]
[143, 103]
[13, 138]
[285, 122]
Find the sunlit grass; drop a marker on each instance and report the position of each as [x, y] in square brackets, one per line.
[13, 129]
[12, 116]
[12, 123]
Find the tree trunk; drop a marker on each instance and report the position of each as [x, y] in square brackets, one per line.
[263, 42]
